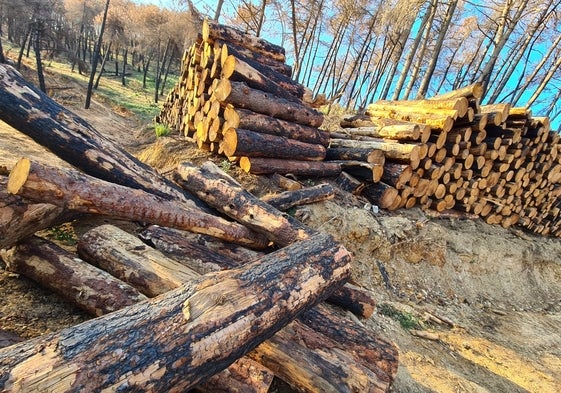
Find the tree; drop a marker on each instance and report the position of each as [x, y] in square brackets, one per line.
[96, 57]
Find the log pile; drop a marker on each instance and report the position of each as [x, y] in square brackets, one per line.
[235, 97]
[241, 303]
[495, 161]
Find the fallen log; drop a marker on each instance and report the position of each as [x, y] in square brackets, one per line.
[354, 299]
[403, 152]
[183, 336]
[288, 199]
[75, 191]
[20, 218]
[90, 288]
[71, 138]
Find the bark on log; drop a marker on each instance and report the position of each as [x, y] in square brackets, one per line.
[258, 122]
[244, 376]
[183, 336]
[242, 96]
[238, 70]
[392, 150]
[385, 124]
[381, 194]
[365, 346]
[90, 288]
[200, 252]
[355, 154]
[20, 218]
[288, 199]
[78, 192]
[285, 183]
[328, 368]
[229, 197]
[240, 142]
[128, 259]
[363, 170]
[33, 113]
[215, 31]
[354, 299]
[265, 166]
[349, 184]
[397, 132]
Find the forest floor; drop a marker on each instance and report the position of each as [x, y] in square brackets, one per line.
[486, 299]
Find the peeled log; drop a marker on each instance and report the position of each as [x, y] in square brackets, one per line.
[78, 192]
[265, 166]
[258, 122]
[239, 142]
[183, 336]
[474, 90]
[242, 96]
[33, 113]
[20, 218]
[90, 288]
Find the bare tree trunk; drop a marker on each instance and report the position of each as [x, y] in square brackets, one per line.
[95, 59]
[37, 49]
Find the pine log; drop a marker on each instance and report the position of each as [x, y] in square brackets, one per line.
[406, 152]
[90, 288]
[397, 132]
[328, 368]
[265, 166]
[354, 154]
[307, 195]
[258, 122]
[348, 183]
[362, 170]
[33, 113]
[474, 90]
[437, 121]
[355, 299]
[355, 338]
[242, 96]
[118, 253]
[76, 191]
[397, 175]
[244, 375]
[226, 195]
[285, 183]
[20, 218]
[214, 31]
[274, 69]
[238, 70]
[184, 336]
[381, 194]
[240, 142]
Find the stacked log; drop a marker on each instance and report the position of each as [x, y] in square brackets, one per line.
[495, 161]
[235, 97]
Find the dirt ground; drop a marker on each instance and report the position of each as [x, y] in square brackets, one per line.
[486, 300]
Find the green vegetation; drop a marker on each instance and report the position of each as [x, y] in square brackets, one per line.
[225, 165]
[407, 320]
[161, 130]
[64, 234]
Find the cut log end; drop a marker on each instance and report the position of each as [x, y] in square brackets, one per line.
[18, 176]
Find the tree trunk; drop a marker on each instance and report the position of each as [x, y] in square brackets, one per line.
[183, 336]
[90, 288]
[95, 59]
[78, 192]
[49, 124]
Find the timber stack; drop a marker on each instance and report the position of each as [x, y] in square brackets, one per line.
[450, 152]
[235, 98]
[197, 300]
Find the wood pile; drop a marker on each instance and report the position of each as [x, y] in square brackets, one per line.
[227, 306]
[495, 161]
[235, 97]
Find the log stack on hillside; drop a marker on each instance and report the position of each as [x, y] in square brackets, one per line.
[495, 161]
[235, 97]
[245, 314]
